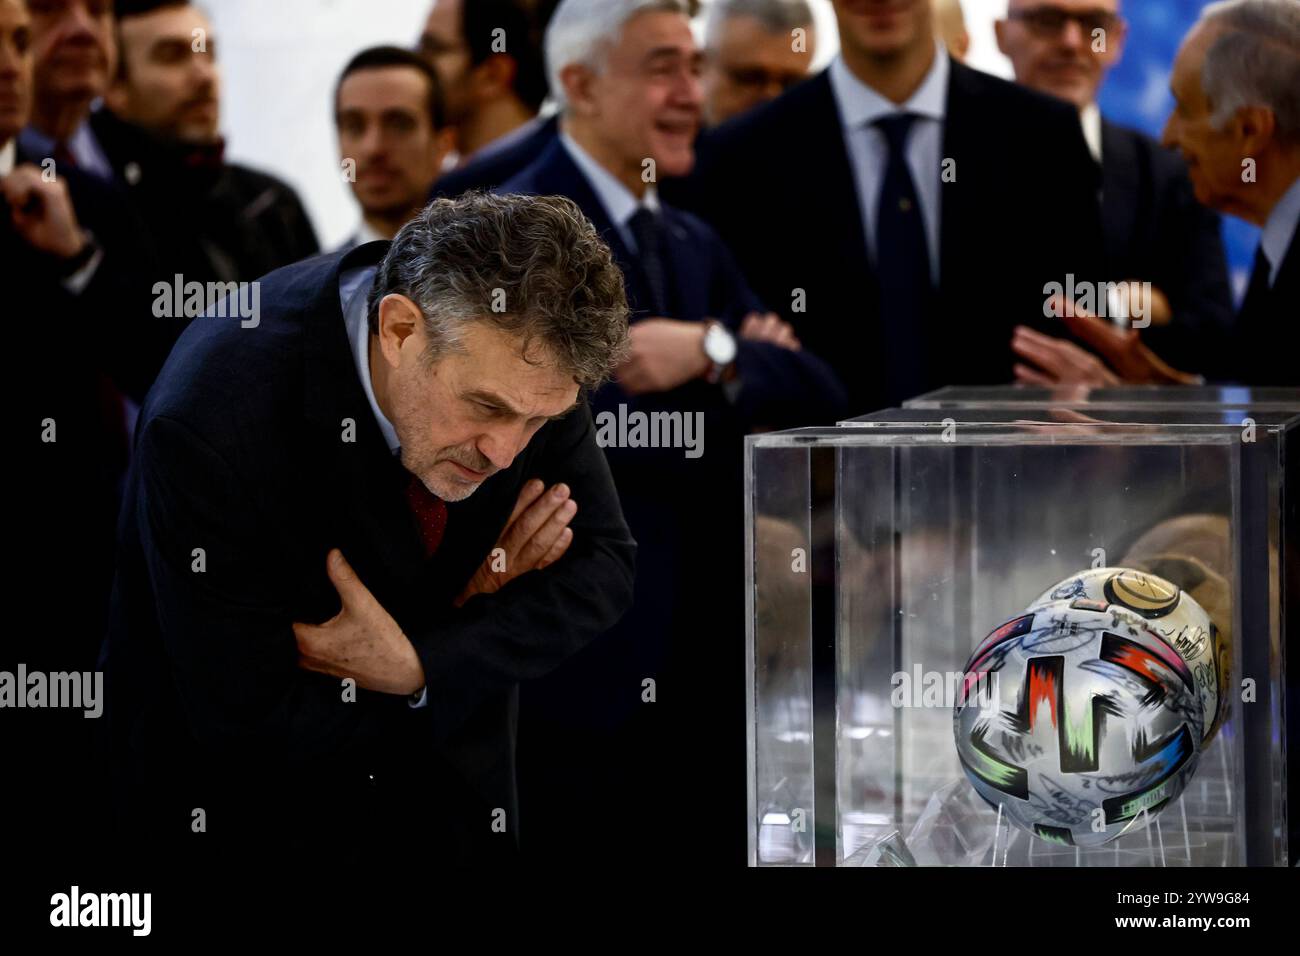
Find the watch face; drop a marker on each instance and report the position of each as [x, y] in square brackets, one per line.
[719, 345]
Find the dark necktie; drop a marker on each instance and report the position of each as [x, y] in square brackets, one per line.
[1259, 285]
[1250, 329]
[430, 514]
[902, 265]
[648, 233]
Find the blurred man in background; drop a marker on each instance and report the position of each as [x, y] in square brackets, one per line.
[75, 55]
[951, 23]
[754, 50]
[72, 254]
[388, 112]
[1154, 229]
[487, 54]
[212, 220]
[860, 205]
[1236, 121]
[704, 352]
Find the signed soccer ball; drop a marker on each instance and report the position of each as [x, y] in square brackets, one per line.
[1170, 612]
[1078, 720]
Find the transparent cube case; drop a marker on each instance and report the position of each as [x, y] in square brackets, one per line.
[882, 552]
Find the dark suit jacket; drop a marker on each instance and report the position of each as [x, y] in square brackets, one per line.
[72, 356]
[1267, 320]
[213, 221]
[240, 452]
[1155, 231]
[685, 629]
[489, 172]
[1022, 212]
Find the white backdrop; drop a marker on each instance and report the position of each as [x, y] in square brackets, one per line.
[280, 59]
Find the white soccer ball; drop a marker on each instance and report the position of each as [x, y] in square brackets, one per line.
[1079, 721]
[1169, 611]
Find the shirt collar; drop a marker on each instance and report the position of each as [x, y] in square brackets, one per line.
[860, 105]
[1280, 229]
[1090, 119]
[354, 289]
[619, 202]
[83, 146]
[8, 155]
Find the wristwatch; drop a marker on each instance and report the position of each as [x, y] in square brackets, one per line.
[719, 348]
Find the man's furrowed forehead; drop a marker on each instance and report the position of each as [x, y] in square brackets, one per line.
[492, 365]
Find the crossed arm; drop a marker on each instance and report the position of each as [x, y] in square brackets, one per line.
[248, 673]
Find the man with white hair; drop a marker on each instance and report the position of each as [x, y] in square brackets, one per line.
[1154, 230]
[1236, 122]
[754, 50]
[704, 351]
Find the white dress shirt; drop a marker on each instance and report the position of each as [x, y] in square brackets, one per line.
[354, 287]
[619, 202]
[1280, 230]
[859, 107]
[8, 155]
[1090, 120]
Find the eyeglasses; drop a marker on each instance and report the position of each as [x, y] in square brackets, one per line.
[1049, 22]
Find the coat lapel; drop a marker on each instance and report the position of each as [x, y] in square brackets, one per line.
[361, 483]
[961, 137]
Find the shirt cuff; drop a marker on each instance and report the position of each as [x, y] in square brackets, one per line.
[77, 282]
[415, 702]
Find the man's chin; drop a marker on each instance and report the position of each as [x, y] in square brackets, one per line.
[450, 487]
[452, 490]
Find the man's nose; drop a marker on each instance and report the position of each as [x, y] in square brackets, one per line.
[371, 141]
[500, 445]
[78, 22]
[689, 92]
[204, 67]
[1072, 35]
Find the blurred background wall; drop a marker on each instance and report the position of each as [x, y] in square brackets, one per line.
[297, 47]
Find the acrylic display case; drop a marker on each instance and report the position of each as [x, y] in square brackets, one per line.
[883, 551]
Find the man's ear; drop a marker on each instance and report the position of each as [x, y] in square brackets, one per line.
[577, 82]
[444, 143]
[494, 77]
[1255, 127]
[401, 326]
[999, 28]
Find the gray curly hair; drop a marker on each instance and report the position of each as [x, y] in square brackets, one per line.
[533, 266]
